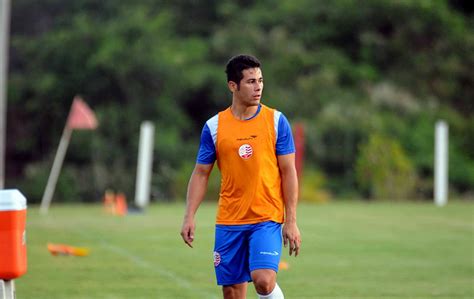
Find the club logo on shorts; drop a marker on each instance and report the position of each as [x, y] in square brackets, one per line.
[217, 258]
[245, 151]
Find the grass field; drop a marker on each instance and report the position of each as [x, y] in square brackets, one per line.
[350, 250]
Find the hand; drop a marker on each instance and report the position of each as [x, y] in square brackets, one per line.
[292, 236]
[187, 232]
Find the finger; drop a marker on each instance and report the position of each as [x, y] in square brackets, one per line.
[297, 247]
[188, 240]
[294, 247]
[285, 241]
[188, 243]
[188, 236]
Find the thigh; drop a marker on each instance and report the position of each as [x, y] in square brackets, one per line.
[265, 245]
[231, 257]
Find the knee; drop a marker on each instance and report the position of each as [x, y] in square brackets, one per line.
[264, 284]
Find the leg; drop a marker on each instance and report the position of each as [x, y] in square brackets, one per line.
[264, 281]
[231, 261]
[235, 291]
[265, 250]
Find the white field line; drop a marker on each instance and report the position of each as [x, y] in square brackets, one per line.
[147, 265]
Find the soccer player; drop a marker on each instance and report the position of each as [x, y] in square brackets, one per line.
[254, 149]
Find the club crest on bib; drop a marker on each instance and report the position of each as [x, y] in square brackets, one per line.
[217, 258]
[245, 151]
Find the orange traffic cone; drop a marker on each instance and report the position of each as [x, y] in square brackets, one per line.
[109, 202]
[120, 204]
[283, 265]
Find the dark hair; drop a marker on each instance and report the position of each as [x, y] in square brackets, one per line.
[237, 64]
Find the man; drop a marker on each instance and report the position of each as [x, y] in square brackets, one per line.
[255, 153]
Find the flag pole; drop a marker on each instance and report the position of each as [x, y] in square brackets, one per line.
[80, 117]
[55, 170]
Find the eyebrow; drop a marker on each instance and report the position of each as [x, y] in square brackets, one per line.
[253, 79]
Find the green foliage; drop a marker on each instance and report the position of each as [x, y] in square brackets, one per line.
[313, 187]
[384, 169]
[180, 181]
[345, 68]
[67, 188]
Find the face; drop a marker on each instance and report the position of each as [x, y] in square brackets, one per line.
[249, 91]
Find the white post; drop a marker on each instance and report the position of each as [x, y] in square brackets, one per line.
[55, 170]
[145, 163]
[441, 164]
[4, 37]
[7, 289]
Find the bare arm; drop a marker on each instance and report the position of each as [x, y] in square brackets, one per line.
[291, 232]
[197, 187]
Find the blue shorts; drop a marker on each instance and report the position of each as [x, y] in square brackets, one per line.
[241, 249]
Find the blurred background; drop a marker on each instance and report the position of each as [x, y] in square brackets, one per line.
[366, 80]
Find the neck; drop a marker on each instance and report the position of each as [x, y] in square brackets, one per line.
[243, 112]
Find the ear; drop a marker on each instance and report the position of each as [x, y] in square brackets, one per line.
[232, 86]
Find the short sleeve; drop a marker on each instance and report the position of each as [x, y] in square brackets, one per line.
[285, 144]
[207, 149]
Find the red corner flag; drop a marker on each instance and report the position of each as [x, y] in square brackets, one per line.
[81, 116]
